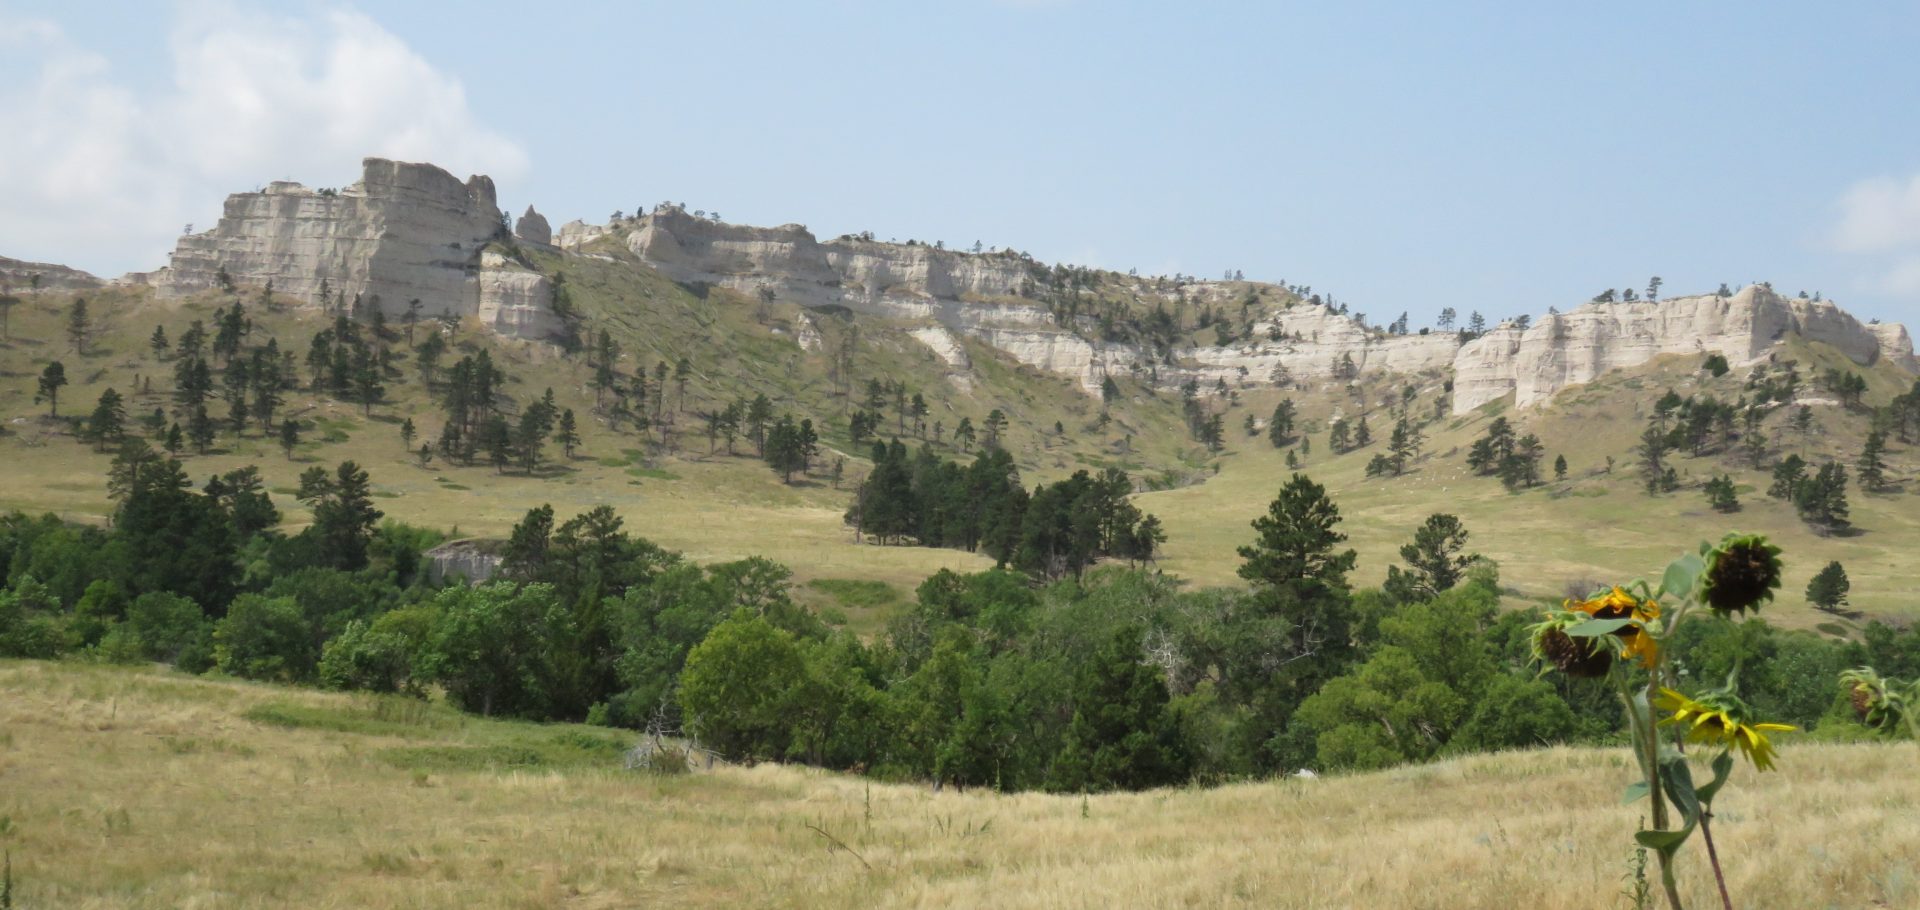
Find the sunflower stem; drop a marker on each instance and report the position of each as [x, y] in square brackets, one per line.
[1713, 856]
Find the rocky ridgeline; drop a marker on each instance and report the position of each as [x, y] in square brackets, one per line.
[403, 232]
[19, 276]
[414, 231]
[1576, 347]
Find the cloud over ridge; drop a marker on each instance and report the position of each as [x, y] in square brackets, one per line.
[100, 173]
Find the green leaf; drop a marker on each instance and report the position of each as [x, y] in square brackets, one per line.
[1594, 628]
[1682, 575]
[1666, 842]
[1676, 778]
[1722, 767]
[1636, 790]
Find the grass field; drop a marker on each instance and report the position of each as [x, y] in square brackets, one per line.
[134, 788]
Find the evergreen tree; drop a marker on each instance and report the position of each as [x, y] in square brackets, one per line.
[1559, 467]
[1337, 436]
[1492, 449]
[1872, 467]
[109, 421]
[79, 326]
[289, 436]
[1828, 590]
[1822, 499]
[51, 380]
[786, 448]
[1434, 561]
[996, 424]
[158, 343]
[1122, 735]
[1721, 495]
[569, 432]
[1280, 426]
[1788, 475]
[343, 515]
[200, 430]
[407, 432]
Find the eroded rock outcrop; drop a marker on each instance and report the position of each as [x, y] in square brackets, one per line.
[20, 277]
[1578, 346]
[533, 228]
[403, 232]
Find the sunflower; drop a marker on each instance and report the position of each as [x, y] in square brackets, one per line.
[1635, 642]
[1742, 572]
[1719, 718]
[1586, 658]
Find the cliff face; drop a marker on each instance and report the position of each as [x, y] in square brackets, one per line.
[405, 231]
[1578, 346]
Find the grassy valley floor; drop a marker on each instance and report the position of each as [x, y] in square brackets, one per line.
[124, 788]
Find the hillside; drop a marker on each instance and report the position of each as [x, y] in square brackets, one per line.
[1090, 369]
[145, 789]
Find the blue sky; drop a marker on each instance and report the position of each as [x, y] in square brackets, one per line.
[1493, 157]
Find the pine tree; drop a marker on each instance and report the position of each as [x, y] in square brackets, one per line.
[1721, 495]
[289, 436]
[79, 326]
[109, 421]
[996, 424]
[1822, 499]
[1337, 436]
[1828, 590]
[1559, 467]
[1872, 467]
[407, 432]
[51, 380]
[1280, 426]
[1434, 560]
[158, 342]
[569, 433]
[200, 430]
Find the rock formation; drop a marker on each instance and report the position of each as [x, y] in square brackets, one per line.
[408, 231]
[403, 232]
[533, 228]
[17, 277]
[1578, 346]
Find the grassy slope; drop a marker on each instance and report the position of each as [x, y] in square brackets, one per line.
[1593, 526]
[136, 788]
[713, 507]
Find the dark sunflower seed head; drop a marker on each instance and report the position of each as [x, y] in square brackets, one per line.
[1742, 573]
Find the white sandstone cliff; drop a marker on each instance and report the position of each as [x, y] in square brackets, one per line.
[403, 232]
[1578, 346]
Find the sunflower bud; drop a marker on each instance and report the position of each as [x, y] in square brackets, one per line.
[1742, 573]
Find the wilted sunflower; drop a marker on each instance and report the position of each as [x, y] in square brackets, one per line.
[1878, 704]
[1742, 572]
[1618, 604]
[1587, 658]
[1719, 718]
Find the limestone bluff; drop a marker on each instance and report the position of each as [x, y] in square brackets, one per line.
[413, 231]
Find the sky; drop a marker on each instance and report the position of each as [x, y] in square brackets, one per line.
[1496, 157]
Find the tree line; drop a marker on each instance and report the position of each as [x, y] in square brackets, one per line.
[1054, 531]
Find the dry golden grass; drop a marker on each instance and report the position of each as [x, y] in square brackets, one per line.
[135, 788]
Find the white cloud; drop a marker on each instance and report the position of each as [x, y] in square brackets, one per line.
[1880, 223]
[100, 171]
